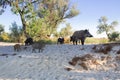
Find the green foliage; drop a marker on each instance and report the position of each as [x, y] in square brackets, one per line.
[15, 32]
[51, 13]
[114, 36]
[26, 11]
[37, 29]
[4, 37]
[66, 31]
[73, 12]
[1, 28]
[55, 12]
[105, 27]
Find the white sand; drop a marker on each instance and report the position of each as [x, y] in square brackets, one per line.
[50, 64]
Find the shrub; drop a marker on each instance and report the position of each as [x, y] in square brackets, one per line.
[114, 36]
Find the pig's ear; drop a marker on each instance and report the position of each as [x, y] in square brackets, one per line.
[85, 30]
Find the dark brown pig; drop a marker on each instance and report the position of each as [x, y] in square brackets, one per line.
[17, 47]
[80, 35]
[60, 40]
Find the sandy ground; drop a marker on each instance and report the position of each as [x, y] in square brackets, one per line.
[53, 62]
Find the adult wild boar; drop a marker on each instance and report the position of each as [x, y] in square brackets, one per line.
[80, 35]
[73, 39]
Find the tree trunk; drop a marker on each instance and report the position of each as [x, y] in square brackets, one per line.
[24, 24]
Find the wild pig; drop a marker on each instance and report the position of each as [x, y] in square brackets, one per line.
[28, 41]
[60, 40]
[73, 39]
[38, 46]
[80, 35]
[17, 47]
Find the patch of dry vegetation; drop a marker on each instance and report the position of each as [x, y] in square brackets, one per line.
[103, 61]
[90, 62]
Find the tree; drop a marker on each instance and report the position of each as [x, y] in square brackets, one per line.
[105, 27]
[16, 32]
[66, 31]
[37, 29]
[55, 12]
[52, 12]
[1, 29]
[24, 8]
